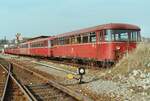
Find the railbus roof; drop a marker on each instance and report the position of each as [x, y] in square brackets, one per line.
[100, 27]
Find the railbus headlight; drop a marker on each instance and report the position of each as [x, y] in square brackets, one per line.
[117, 47]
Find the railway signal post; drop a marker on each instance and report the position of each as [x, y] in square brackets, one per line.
[81, 72]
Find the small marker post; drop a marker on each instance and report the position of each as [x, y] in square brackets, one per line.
[81, 72]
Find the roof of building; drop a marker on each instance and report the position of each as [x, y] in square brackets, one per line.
[38, 37]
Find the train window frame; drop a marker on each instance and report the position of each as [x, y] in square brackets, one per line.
[73, 40]
[85, 38]
[122, 35]
[52, 43]
[66, 40]
[78, 39]
[113, 37]
[107, 35]
[134, 36]
[61, 41]
[92, 37]
[55, 42]
[39, 44]
[24, 45]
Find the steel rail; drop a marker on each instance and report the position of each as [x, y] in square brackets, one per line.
[56, 68]
[22, 88]
[66, 90]
[6, 83]
[30, 94]
[10, 76]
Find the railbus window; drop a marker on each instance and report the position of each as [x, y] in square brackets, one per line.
[40, 44]
[122, 35]
[92, 37]
[61, 41]
[24, 46]
[78, 39]
[133, 36]
[45, 43]
[85, 38]
[73, 40]
[55, 42]
[108, 35]
[66, 40]
[113, 36]
[52, 43]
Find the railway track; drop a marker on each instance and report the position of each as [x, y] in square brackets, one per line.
[74, 63]
[10, 88]
[3, 79]
[40, 88]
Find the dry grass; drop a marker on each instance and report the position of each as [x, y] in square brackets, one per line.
[137, 59]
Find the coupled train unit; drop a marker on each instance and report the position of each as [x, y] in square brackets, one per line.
[103, 43]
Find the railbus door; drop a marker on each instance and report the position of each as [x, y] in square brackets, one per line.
[100, 39]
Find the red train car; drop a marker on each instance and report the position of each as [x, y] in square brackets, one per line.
[38, 46]
[24, 48]
[12, 50]
[101, 43]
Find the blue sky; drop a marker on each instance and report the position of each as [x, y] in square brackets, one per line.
[50, 17]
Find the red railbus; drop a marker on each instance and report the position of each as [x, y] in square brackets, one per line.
[103, 43]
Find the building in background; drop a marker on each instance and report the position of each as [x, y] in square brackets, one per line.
[4, 42]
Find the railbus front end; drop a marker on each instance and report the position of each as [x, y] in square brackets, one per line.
[115, 43]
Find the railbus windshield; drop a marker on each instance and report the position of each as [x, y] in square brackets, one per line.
[122, 35]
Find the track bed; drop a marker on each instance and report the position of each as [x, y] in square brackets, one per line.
[40, 88]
